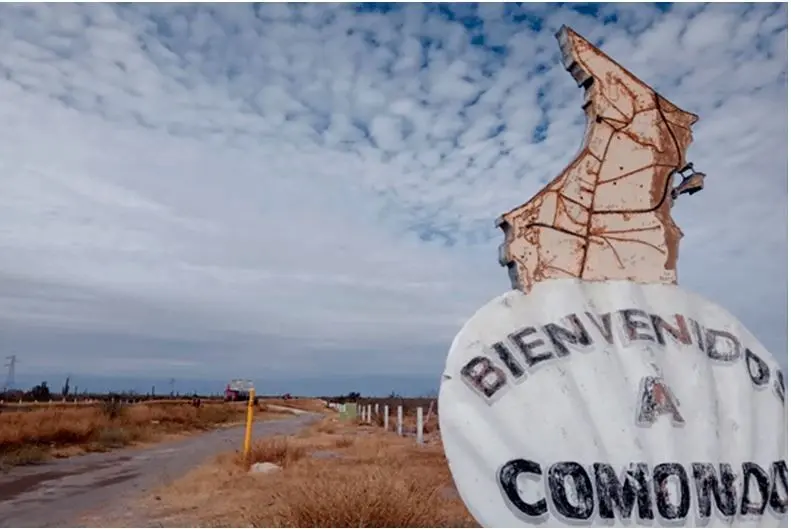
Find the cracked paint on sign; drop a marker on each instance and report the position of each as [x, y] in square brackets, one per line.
[607, 215]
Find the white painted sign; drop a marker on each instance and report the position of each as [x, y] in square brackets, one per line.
[239, 384]
[614, 403]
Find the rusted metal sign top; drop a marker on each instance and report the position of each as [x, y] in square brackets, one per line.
[607, 215]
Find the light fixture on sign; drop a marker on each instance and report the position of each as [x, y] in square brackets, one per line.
[599, 392]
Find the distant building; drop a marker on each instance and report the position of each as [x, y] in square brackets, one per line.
[238, 389]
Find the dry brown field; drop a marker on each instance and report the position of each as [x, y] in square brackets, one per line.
[32, 434]
[332, 474]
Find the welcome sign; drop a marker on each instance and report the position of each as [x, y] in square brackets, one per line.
[608, 403]
[598, 392]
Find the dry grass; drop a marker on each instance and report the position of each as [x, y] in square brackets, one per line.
[33, 435]
[333, 475]
[327, 427]
[367, 495]
[306, 404]
[276, 450]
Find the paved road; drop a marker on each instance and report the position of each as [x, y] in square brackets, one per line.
[56, 493]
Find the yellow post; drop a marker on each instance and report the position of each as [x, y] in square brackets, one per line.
[248, 429]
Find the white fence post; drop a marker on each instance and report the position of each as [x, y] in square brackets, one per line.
[387, 416]
[376, 409]
[420, 426]
[400, 421]
[368, 410]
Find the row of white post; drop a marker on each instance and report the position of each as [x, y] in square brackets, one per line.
[365, 415]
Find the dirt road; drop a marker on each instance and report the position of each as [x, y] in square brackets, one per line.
[57, 493]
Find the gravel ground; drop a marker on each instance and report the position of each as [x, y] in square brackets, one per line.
[59, 493]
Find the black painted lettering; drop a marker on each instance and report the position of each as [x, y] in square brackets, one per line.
[582, 507]
[656, 399]
[757, 369]
[603, 324]
[619, 498]
[528, 349]
[562, 337]
[508, 359]
[680, 333]
[699, 332]
[707, 484]
[778, 499]
[722, 346]
[507, 479]
[663, 480]
[569, 494]
[636, 325]
[483, 376]
[750, 504]
[780, 385]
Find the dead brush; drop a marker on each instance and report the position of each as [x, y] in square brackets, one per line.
[430, 424]
[109, 424]
[344, 442]
[327, 427]
[379, 480]
[359, 496]
[278, 450]
[112, 408]
[378, 420]
[25, 455]
[48, 427]
[113, 437]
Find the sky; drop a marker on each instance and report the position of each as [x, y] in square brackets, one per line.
[304, 195]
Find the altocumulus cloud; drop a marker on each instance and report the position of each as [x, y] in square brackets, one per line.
[214, 190]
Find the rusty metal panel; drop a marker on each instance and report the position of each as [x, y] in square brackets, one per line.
[607, 215]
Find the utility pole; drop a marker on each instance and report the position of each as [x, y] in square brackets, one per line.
[11, 365]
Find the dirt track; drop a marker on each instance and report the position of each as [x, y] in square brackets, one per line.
[60, 493]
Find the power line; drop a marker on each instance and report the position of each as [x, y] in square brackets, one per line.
[11, 365]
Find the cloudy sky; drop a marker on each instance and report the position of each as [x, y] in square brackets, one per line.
[284, 192]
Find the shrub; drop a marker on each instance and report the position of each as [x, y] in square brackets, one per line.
[327, 427]
[114, 437]
[344, 442]
[277, 450]
[112, 407]
[362, 496]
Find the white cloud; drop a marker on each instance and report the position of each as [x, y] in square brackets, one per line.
[313, 187]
